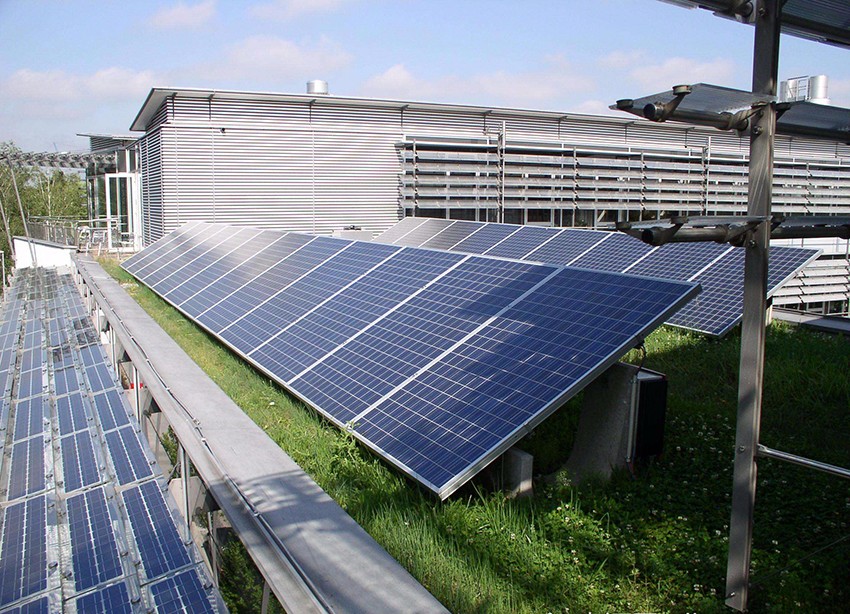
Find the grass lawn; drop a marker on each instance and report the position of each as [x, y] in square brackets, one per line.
[655, 542]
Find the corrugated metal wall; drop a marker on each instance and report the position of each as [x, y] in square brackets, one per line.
[322, 164]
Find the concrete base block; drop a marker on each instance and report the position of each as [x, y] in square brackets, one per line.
[602, 439]
[517, 472]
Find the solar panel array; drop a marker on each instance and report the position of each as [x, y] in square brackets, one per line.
[717, 268]
[86, 523]
[438, 361]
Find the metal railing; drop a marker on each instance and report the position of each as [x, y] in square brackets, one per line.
[98, 234]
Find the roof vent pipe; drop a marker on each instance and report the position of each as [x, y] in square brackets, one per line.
[317, 87]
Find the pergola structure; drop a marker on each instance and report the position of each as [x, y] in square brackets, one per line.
[761, 115]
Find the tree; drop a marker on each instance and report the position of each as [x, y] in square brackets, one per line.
[43, 192]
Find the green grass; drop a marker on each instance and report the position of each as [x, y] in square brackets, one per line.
[654, 542]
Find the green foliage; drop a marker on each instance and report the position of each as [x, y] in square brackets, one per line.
[43, 192]
[656, 541]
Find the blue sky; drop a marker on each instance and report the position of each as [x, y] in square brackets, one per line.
[69, 66]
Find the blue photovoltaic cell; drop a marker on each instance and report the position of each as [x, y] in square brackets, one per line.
[783, 263]
[718, 307]
[94, 552]
[31, 359]
[174, 266]
[58, 332]
[243, 274]
[458, 412]
[182, 593]
[177, 248]
[678, 260]
[305, 294]
[615, 253]
[424, 232]
[99, 378]
[218, 269]
[450, 236]
[23, 556]
[212, 252]
[128, 458]
[523, 241]
[398, 230]
[353, 309]
[92, 356]
[72, 413]
[39, 606]
[79, 464]
[485, 238]
[111, 409]
[30, 417]
[30, 384]
[158, 249]
[280, 276]
[27, 474]
[66, 381]
[408, 338]
[157, 539]
[112, 599]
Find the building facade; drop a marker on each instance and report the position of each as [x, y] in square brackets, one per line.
[321, 164]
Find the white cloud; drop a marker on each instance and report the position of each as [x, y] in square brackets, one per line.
[285, 10]
[555, 81]
[595, 107]
[267, 58]
[184, 15]
[673, 71]
[110, 84]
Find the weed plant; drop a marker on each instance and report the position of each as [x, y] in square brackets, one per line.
[652, 541]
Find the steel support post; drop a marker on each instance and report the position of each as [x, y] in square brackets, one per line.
[137, 396]
[264, 607]
[765, 68]
[213, 539]
[185, 468]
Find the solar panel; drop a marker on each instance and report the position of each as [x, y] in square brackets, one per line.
[31, 416]
[65, 381]
[359, 343]
[512, 373]
[309, 254]
[23, 556]
[337, 320]
[27, 472]
[160, 548]
[62, 538]
[111, 409]
[94, 551]
[30, 383]
[485, 238]
[520, 243]
[173, 251]
[153, 251]
[189, 252]
[614, 252]
[214, 251]
[407, 339]
[451, 235]
[128, 457]
[79, 463]
[678, 260]
[424, 232]
[38, 606]
[183, 592]
[113, 599]
[400, 229]
[241, 275]
[219, 268]
[302, 296]
[73, 413]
